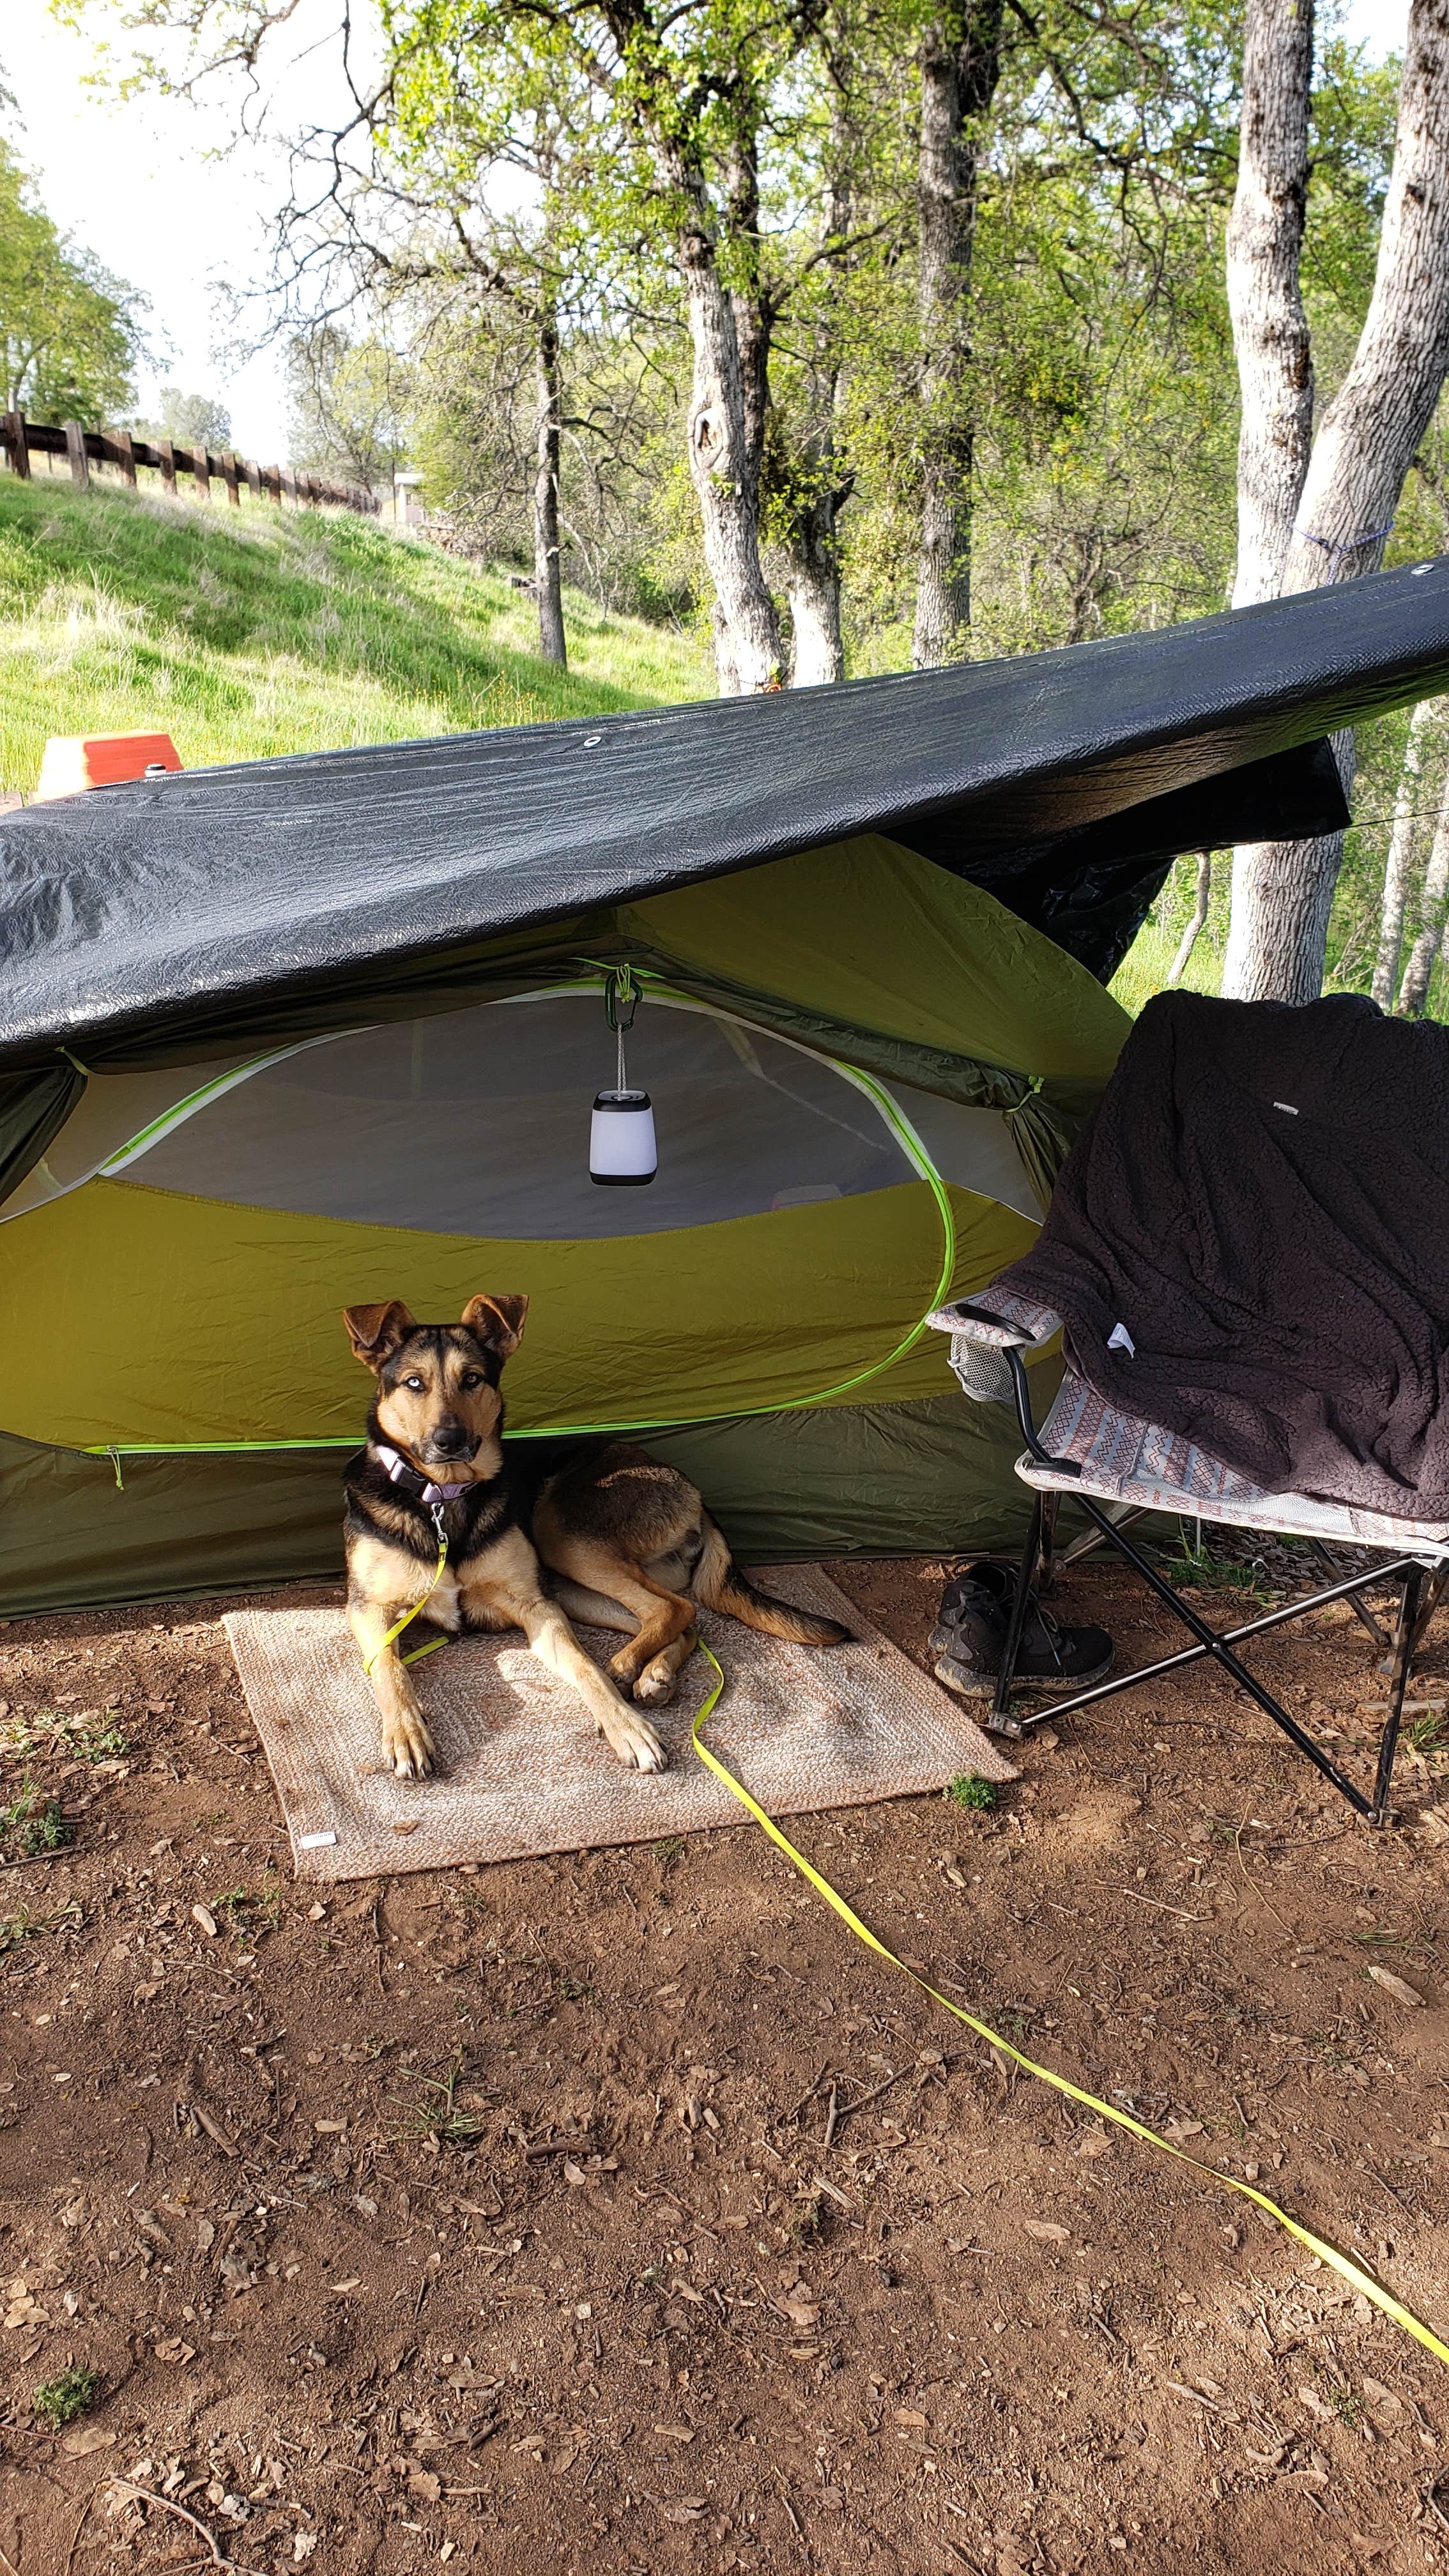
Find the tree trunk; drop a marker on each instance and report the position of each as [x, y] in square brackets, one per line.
[1190, 936]
[1283, 890]
[812, 586]
[959, 73]
[1414, 990]
[724, 465]
[1399, 865]
[1270, 328]
[547, 575]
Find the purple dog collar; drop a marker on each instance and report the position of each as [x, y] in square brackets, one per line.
[402, 1473]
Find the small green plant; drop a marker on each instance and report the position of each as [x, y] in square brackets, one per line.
[88, 1734]
[249, 1912]
[437, 2117]
[15, 1928]
[573, 1990]
[1428, 1733]
[977, 1795]
[35, 1822]
[669, 1849]
[1346, 2406]
[58, 2401]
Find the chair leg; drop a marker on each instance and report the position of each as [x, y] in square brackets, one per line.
[999, 1723]
[1047, 1569]
[1406, 1639]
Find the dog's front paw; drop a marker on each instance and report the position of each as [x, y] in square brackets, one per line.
[407, 1747]
[655, 1685]
[636, 1744]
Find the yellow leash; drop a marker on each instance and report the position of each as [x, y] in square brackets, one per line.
[1343, 2264]
[408, 1616]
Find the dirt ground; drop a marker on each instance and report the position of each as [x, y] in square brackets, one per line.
[621, 2215]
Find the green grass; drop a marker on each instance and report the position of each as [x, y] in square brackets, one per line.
[976, 1795]
[246, 633]
[58, 2401]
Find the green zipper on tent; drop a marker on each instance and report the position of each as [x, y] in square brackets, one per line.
[894, 1117]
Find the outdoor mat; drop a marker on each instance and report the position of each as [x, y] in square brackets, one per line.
[522, 1771]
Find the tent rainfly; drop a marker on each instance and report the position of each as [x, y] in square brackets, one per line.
[300, 1034]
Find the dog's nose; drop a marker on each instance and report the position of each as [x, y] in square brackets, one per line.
[452, 1440]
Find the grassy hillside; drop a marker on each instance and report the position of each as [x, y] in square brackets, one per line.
[246, 633]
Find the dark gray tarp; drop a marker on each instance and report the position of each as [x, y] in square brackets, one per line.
[199, 900]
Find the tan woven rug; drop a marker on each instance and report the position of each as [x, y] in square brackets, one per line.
[523, 1772]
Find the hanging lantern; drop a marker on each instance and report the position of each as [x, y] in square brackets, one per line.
[622, 1150]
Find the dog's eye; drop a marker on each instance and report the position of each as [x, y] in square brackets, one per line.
[415, 1383]
[472, 1378]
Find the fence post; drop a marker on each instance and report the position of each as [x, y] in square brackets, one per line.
[75, 448]
[15, 445]
[201, 469]
[228, 467]
[167, 453]
[125, 455]
[253, 473]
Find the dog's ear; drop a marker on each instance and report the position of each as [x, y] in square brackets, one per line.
[497, 1322]
[376, 1331]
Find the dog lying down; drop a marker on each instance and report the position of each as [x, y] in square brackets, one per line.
[627, 1540]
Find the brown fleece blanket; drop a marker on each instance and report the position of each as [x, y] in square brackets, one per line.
[1262, 1200]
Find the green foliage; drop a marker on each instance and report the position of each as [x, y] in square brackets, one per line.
[59, 2401]
[85, 1735]
[258, 632]
[192, 420]
[70, 333]
[977, 1796]
[33, 1823]
[436, 2117]
[26, 1926]
[351, 404]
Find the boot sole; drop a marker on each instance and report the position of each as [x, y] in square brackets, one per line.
[983, 1685]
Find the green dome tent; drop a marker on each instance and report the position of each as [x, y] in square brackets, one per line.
[865, 1126]
[299, 1034]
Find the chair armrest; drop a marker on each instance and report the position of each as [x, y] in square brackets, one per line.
[1007, 1324]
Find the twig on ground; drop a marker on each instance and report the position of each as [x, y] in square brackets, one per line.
[75, 2535]
[1157, 1902]
[832, 2117]
[811, 2088]
[1251, 1883]
[148, 2495]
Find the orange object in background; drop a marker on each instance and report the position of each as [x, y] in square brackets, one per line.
[71, 761]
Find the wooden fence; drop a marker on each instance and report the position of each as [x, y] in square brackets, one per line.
[24, 438]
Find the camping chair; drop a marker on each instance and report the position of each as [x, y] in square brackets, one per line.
[1116, 1468]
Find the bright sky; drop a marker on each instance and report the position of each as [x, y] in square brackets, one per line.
[167, 197]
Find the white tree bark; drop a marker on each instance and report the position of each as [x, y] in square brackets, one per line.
[1283, 890]
[1399, 865]
[1270, 328]
[812, 586]
[1195, 927]
[547, 573]
[1414, 990]
[724, 465]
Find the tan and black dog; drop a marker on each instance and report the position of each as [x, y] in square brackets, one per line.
[628, 1539]
[433, 1466]
[630, 1545]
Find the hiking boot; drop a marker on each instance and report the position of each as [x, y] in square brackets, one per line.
[970, 1635]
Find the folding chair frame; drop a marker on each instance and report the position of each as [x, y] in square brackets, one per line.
[1421, 1588]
